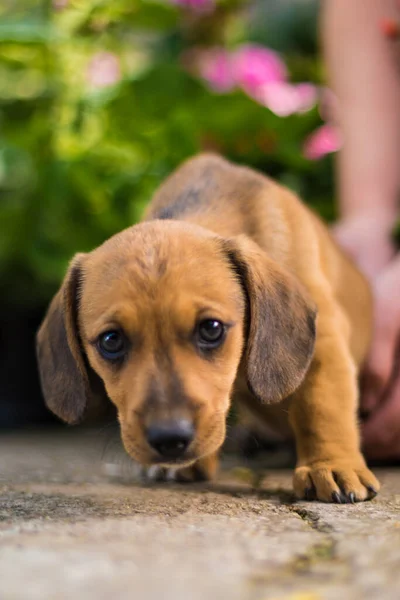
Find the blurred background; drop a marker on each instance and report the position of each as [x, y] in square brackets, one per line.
[100, 100]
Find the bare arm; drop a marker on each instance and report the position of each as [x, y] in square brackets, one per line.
[364, 74]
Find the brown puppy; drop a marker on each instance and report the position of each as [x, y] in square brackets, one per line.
[216, 294]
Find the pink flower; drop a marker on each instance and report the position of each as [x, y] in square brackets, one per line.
[280, 98]
[255, 66]
[199, 6]
[103, 70]
[307, 96]
[216, 69]
[60, 4]
[285, 99]
[260, 72]
[322, 141]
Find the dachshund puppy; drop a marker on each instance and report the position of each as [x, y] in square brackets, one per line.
[229, 288]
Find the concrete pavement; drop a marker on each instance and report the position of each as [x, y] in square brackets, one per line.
[75, 523]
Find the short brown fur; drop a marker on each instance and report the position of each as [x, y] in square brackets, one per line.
[222, 242]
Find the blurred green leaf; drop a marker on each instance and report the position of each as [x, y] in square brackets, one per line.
[27, 32]
[81, 152]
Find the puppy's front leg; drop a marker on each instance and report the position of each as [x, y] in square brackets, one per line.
[330, 466]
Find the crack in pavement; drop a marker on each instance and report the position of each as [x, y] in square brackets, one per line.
[323, 551]
[312, 518]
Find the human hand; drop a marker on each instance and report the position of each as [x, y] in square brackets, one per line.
[381, 382]
[367, 240]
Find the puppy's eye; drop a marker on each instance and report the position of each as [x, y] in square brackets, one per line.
[211, 333]
[112, 345]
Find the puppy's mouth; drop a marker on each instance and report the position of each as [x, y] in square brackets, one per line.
[172, 444]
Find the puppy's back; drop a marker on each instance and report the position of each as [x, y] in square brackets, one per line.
[232, 200]
[211, 192]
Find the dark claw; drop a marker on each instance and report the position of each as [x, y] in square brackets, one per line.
[372, 491]
[336, 498]
[352, 497]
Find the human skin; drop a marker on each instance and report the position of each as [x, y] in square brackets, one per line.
[363, 71]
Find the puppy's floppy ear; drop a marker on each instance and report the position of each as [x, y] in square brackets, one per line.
[280, 322]
[62, 366]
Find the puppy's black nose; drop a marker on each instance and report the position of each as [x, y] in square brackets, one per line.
[170, 438]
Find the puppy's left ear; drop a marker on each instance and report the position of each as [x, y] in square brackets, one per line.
[280, 322]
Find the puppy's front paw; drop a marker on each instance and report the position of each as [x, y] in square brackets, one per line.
[194, 473]
[202, 470]
[156, 473]
[164, 474]
[335, 482]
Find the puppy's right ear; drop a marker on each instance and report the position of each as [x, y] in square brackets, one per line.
[62, 365]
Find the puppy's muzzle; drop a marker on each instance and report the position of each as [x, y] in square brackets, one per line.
[170, 439]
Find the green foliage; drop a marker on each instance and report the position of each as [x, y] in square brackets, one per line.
[79, 162]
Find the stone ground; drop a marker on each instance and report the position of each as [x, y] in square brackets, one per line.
[75, 523]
